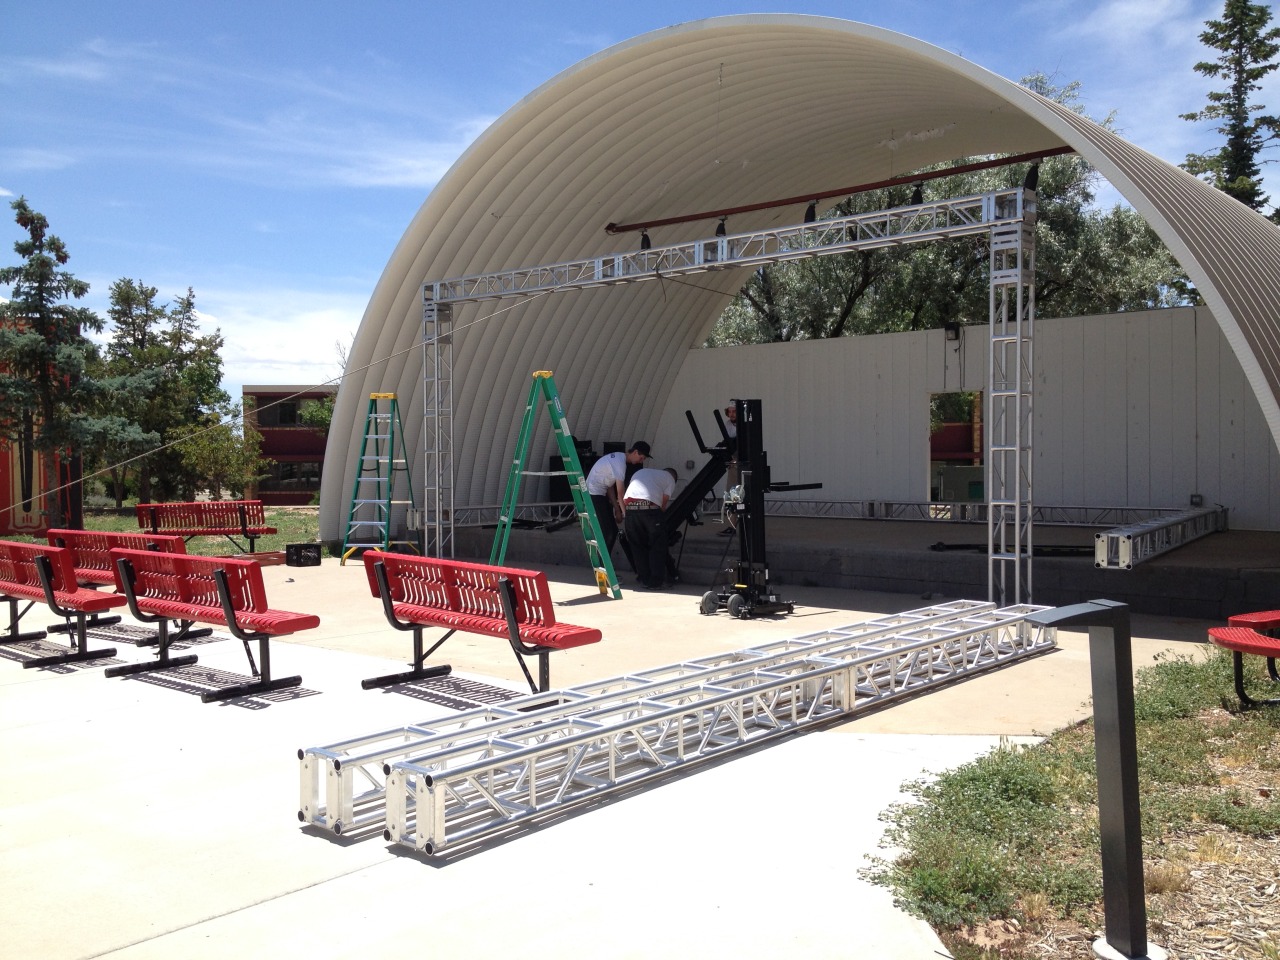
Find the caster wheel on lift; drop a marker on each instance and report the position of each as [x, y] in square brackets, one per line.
[709, 603]
[736, 606]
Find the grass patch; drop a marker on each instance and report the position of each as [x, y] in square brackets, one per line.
[1013, 836]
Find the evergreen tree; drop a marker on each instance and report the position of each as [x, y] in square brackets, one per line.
[44, 355]
[1247, 53]
[161, 345]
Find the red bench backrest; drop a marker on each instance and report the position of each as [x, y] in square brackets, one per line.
[91, 549]
[468, 588]
[188, 579]
[201, 513]
[18, 566]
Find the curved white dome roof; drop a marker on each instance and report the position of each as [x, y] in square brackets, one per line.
[702, 116]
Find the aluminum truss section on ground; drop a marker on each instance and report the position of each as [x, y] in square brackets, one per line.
[975, 215]
[1010, 385]
[437, 429]
[1121, 548]
[465, 777]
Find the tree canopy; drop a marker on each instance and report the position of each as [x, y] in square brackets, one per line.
[1088, 260]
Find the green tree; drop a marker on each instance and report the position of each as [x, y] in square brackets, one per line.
[1087, 261]
[1246, 54]
[44, 355]
[317, 413]
[161, 345]
[222, 450]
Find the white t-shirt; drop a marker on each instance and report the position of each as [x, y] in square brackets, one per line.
[608, 470]
[652, 485]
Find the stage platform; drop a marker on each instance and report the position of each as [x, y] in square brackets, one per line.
[1210, 578]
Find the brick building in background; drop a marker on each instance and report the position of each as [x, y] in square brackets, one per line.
[296, 451]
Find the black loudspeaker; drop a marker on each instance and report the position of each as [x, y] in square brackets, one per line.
[302, 554]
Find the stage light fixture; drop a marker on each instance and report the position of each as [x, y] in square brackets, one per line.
[645, 242]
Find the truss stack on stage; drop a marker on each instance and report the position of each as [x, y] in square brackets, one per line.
[467, 776]
[1121, 548]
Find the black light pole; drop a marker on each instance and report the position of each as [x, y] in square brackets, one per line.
[1116, 749]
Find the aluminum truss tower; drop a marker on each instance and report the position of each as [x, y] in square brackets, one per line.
[1007, 217]
[1011, 380]
[437, 429]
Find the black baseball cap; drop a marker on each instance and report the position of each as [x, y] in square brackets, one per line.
[641, 448]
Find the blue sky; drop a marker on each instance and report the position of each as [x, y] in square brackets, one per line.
[271, 154]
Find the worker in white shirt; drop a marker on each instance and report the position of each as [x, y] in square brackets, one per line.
[606, 483]
[646, 498]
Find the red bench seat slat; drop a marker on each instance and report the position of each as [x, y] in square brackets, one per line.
[1246, 640]
[1260, 620]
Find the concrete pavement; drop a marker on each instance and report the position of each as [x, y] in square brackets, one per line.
[136, 821]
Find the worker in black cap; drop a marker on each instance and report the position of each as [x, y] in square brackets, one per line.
[606, 483]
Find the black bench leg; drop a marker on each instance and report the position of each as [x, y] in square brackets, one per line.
[419, 672]
[78, 653]
[262, 684]
[1237, 664]
[162, 662]
[14, 636]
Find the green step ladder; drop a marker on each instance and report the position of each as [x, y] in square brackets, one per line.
[544, 386]
[382, 485]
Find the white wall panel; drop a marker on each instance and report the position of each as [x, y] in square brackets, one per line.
[1137, 409]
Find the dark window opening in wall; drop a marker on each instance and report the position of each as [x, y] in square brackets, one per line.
[956, 472]
[283, 414]
[291, 476]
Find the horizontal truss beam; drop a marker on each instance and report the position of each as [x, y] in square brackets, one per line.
[941, 220]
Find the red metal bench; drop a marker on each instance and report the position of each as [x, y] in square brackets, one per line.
[1248, 633]
[36, 573]
[505, 602]
[225, 518]
[91, 550]
[214, 590]
[91, 556]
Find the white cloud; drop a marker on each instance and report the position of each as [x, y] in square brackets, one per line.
[281, 336]
[25, 159]
[6, 193]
